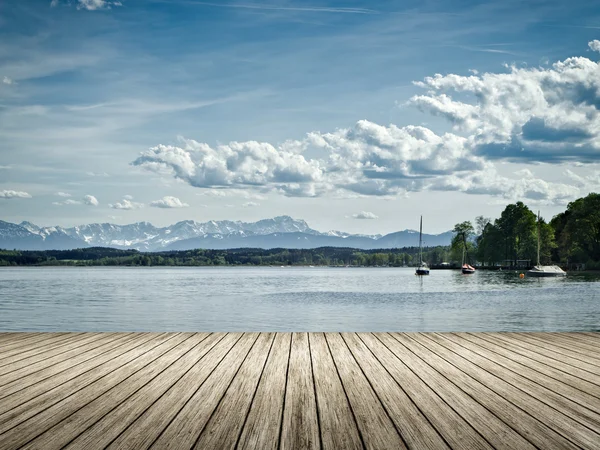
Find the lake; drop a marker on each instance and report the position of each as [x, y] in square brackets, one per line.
[292, 298]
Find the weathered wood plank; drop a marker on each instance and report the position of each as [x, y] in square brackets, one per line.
[580, 367]
[336, 421]
[41, 344]
[225, 425]
[149, 425]
[535, 431]
[31, 428]
[569, 428]
[579, 338]
[300, 428]
[108, 428]
[428, 384]
[70, 365]
[26, 403]
[543, 392]
[376, 427]
[582, 391]
[80, 419]
[19, 369]
[551, 346]
[185, 428]
[263, 423]
[394, 391]
[562, 370]
[555, 340]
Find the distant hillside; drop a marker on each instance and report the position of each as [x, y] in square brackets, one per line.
[278, 232]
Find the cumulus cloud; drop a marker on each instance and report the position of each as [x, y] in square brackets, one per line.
[90, 200]
[14, 194]
[63, 194]
[525, 114]
[128, 197]
[594, 45]
[68, 201]
[230, 192]
[126, 204]
[90, 5]
[7, 80]
[365, 215]
[169, 202]
[250, 204]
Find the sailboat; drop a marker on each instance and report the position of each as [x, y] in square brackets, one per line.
[467, 269]
[544, 271]
[422, 269]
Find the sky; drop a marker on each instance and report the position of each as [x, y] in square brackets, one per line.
[352, 115]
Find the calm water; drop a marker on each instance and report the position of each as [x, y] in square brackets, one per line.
[283, 299]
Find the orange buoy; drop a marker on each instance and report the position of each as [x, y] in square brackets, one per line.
[521, 275]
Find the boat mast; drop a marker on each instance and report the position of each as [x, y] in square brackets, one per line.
[420, 241]
[538, 239]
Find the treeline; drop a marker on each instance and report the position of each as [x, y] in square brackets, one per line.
[325, 256]
[571, 238]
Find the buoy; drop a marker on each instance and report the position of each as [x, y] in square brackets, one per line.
[521, 275]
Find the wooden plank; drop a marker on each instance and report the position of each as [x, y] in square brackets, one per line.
[559, 349]
[425, 384]
[375, 426]
[535, 358]
[151, 423]
[583, 369]
[300, 426]
[80, 419]
[395, 395]
[40, 344]
[108, 428]
[25, 367]
[579, 387]
[27, 430]
[568, 427]
[580, 337]
[263, 423]
[36, 377]
[22, 341]
[532, 429]
[9, 338]
[590, 352]
[184, 429]
[225, 425]
[28, 402]
[543, 392]
[336, 421]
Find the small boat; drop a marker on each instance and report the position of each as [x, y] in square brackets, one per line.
[422, 269]
[540, 271]
[466, 268]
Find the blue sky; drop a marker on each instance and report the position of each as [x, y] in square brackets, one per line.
[136, 104]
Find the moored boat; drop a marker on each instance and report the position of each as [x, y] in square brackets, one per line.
[422, 269]
[541, 271]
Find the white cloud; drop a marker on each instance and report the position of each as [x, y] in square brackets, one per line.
[230, 192]
[68, 201]
[526, 114]
[90, 200]
[14, 194]
[365, 215]
[169, 202]
[92, 5]
[7, 80]
[63, 194]
[250, 204]
[128, 197]
[126, 204]
[98, 174]
[594, 45]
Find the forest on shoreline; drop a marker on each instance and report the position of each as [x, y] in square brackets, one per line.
[571, 239]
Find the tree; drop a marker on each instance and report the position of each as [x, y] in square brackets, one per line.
[461, 240]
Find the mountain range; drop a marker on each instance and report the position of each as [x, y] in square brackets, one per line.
[278, 232]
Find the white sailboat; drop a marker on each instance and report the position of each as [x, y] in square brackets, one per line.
[544, 271]
[422, 269]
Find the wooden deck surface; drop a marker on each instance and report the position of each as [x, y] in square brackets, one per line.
[300, 390]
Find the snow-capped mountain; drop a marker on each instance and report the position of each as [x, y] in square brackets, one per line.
[282, 231]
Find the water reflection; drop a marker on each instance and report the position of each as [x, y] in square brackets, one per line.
[315, 299]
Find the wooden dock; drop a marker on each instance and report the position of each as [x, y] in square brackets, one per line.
[300, 390]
